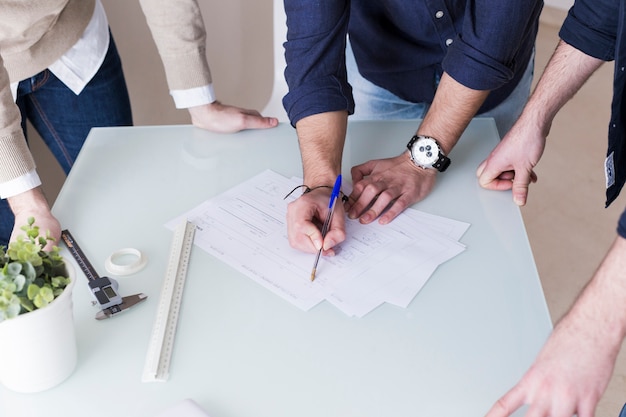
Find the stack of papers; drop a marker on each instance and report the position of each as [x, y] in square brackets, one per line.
[246, 228]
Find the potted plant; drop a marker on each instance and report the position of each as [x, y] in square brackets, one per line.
[37, 339]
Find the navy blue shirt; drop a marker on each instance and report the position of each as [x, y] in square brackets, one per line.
[404, 46]
[598, 28]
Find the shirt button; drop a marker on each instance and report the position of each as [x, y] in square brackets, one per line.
[439, 14]
[449, 42]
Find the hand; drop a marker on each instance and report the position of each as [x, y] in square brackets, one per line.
[386, 187]
[302, 216]
[510, 165]
[33, 203]
[223, 118]
[568, 377]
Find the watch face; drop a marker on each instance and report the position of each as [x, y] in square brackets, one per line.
[425, 151]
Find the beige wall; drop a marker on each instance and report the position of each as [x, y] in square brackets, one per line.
[239, 49]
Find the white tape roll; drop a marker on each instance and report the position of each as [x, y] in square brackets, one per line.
[115, 268]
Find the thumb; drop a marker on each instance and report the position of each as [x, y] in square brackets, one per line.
[492, 178]
[481, 168]
[520, 187]
[256, 121]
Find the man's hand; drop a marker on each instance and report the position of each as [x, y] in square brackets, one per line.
[384, 188]
[33, 203]
[568, 377]
[222, 118]
[573, 369]
[510, 165]
[303, 217]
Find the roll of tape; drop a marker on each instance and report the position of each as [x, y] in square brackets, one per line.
[116, 268]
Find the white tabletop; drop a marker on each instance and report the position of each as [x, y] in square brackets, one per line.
[242, 351]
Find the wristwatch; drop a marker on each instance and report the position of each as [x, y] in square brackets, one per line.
[426, 153]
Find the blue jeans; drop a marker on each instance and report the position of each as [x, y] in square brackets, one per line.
[375, 103]
[64, 119]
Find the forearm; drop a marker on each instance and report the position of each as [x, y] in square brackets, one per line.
[452, 109]
[29, 202]
[566, 72]
[322, 137]
[601, 304]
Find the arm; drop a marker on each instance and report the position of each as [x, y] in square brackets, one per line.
[321, 139]
[491, 51]
[179, 33]
[397, 181]
[318, 104]
[16, 162]
[520, 150]
[573, 369]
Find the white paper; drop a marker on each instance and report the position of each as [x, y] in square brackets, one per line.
[246, 228]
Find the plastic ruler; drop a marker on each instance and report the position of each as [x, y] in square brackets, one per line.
[161, 345]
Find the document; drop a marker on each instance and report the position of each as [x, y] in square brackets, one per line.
[246, 228]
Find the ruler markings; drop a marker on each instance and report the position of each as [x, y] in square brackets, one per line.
[161, 344]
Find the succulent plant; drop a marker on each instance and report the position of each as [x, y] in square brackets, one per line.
[30, 278]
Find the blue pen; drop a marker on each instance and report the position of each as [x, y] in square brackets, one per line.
[331, 209]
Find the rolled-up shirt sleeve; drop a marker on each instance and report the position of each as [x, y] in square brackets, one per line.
[590, 27]
[19, 185]
[315, 55]
[485, 54]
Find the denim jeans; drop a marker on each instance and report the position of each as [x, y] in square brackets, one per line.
[64, 119]
[375, 103]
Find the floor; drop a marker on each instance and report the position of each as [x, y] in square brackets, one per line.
[568, 227]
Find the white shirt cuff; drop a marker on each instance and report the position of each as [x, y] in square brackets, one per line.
[183, 99]
[20, 184]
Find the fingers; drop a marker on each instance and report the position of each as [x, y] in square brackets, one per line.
[303, 217]
[377, 203]
[517, 180]
[256, 121]
[336, 233]
[494, 179]
[223, 118]
[507, 405]
[365, 196]
[384, 188]
[359, 172]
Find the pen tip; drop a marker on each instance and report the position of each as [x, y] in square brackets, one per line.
[313, 275]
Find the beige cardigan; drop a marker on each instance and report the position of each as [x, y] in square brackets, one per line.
[38, 32]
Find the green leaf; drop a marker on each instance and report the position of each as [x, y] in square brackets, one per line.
[26, 304]
[14, 268]
[32, 291]
[19, 282]
[47, 294]
[30, 277]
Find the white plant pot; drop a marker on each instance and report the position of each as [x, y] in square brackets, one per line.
[38, 349]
